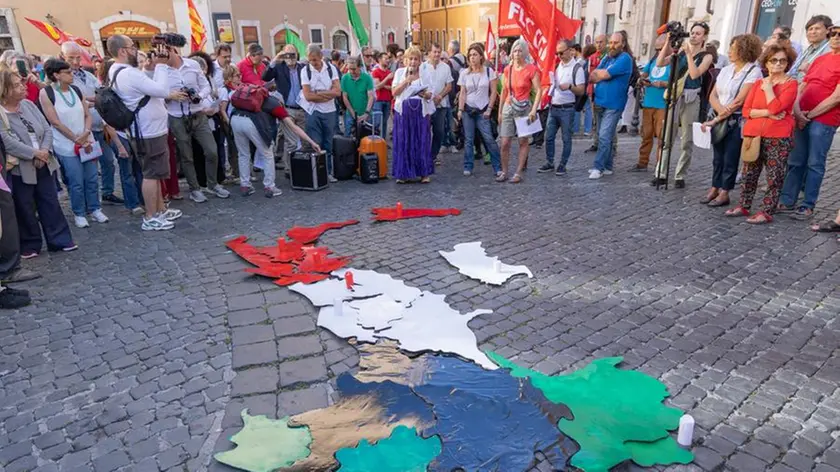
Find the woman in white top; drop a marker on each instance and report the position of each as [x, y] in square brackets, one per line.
[66, 109]
[412, 133]
[727, 97]
[475, 106]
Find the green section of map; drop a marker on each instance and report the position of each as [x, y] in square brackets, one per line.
[403, 451]
[264, 445]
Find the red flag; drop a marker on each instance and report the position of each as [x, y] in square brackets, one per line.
[57, 35]
[198, 35]
[490, 42]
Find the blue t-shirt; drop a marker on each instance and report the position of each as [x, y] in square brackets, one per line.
[612, 94]
[655, 96]
[294, 88]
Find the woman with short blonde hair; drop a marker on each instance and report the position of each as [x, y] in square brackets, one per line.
[413, 107]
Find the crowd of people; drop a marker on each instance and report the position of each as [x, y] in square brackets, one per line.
[771, 106]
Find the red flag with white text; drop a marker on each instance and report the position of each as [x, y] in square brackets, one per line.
[490, 43]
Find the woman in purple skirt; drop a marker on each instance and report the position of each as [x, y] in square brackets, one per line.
[412, 127]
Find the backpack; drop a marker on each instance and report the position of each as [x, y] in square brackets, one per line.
[580, 102]
[51, 93]
[248, 97]
[634, 75]
[309, 72]
[113, 110]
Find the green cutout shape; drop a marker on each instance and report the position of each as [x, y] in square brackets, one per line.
[264, 445]
[403, 451]
[618, 414]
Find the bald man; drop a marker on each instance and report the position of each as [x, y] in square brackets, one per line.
[284, 70]
[88, 83]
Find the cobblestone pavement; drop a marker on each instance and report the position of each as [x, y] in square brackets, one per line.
[141, 349]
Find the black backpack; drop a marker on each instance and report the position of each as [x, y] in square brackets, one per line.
[114, 111]
[580, 102]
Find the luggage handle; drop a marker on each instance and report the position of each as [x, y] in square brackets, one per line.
[373, 114]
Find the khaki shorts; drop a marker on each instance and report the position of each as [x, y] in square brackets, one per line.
[507, 128]
[153, 156]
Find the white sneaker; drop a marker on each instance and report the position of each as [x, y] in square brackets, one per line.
[171, 214]
[594, 174]
[273, 192]
[81, 222]
[156, 224]
[197, 196]
[608, 172]
[99, 217]
[467, 173]
[331, 179]
[220, 191]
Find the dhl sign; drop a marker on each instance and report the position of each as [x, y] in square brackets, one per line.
[132, 29]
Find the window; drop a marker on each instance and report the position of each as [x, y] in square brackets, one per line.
[316, 36]
[7, 40]
[250, 34]
[279, 40]
[341, 41]
[389, 2]
[459, 37]
[610, 26]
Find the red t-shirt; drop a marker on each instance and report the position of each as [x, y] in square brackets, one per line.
[765, 127]
[32, 92]
[251, 74]
[822, 79]
[382, 95]
[522, 79]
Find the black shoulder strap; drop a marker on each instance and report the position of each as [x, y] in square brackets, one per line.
[575, 70]
[78, 92]
[116, 73]
[487, 70]
[50, 93]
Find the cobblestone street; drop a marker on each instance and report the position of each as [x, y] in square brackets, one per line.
[141, 349]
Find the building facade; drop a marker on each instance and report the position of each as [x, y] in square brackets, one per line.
[440, 21]
[236, 22]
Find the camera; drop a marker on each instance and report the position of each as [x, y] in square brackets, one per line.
[169, 39]
[192, 95]
[677, 32]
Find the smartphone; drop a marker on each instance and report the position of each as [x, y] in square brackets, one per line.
[21, 67]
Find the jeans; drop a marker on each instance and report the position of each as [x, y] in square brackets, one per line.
[106, 164]
[321, 127]
[349, 121]
[727, 155]
[385, 109]
[83, 184]
[290, 140]
[196, 127]
[806, 165]
[597, 111]
[561, 118]
[438, 130]
[129, 186]
[587, 120]
[483, 125]
[607, 124]
[244, 134]
[538, 139]
[130, 170]
[448, 135]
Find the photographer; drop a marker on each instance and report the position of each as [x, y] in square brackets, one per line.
[692, 64]
[187, 119]
[151, 146]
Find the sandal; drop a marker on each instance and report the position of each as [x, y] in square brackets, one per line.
[783, 209]
[425, 180]
[737, 211]
[760, 218]
[515, 179]
[501, 177]
[718, 202]
[827, 227]
[709, 197]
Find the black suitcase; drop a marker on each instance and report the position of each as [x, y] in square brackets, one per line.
[344, 157]
[369, 168]
[308, 170]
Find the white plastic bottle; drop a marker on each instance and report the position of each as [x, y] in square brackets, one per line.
[685, 435]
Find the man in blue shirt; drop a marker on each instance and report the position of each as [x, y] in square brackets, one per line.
[612, 81]
[655, 80]
[285, 72]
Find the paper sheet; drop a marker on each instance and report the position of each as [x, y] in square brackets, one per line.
[702, 139]
[523, 128]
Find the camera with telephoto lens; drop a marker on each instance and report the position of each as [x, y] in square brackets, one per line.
[677, 32]
[192, 95]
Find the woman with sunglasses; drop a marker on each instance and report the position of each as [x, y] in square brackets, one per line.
[768, 110]
[29, 139]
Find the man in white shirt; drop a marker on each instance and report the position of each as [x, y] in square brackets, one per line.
[438, 77]
[567, 83]
[145, 96]
[320, 83]
[187, 119]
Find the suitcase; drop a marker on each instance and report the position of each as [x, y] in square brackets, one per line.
[369, 168]
[344, 157]
[375, 145]
[308, 170]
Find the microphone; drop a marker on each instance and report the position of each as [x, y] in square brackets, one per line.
[662, 29]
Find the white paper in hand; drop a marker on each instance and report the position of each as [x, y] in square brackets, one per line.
[524, 129]
[702, 139]
[95, 152]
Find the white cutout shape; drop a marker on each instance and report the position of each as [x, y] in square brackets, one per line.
[377, 313]
[369, 281]
[344, 324]
[472, 261]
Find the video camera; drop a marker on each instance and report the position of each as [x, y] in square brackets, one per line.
[677, 33]
[163, 41]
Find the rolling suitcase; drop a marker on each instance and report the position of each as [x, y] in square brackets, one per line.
[344, 157]
[308, 170]
[369, 168]
[375, 145]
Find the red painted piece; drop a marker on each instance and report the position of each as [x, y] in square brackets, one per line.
[348, 280]
[248, 252]
[306, 278]
[273, 270]
[317, 261]
[285, 251]
[399, 213]
[308, 235]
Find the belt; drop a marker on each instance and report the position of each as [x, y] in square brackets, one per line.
[567, 105]
[294, 107]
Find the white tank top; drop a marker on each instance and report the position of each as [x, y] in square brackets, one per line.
[68, 106]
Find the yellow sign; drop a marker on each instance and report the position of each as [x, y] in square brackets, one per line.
[132, 29]
[225, 30]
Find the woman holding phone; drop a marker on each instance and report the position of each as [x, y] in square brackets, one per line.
[412, 126]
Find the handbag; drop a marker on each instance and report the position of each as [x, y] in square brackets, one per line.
[750, 148]
[721, 129]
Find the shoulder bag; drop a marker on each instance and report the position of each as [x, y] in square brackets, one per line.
[519, 107]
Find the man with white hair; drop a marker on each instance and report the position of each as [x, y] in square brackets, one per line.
[320, 83]
[88, 83]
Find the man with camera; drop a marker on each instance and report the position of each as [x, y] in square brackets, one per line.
[284, 71]
[692, 64]
[145, 97]
[187, 119]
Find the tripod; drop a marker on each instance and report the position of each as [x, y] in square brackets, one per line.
[666, 141]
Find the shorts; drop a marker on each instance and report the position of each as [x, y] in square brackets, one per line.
[153, 156]
[507, 128]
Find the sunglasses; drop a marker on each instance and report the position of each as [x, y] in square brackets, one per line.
[834, 33]
[776, 60]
